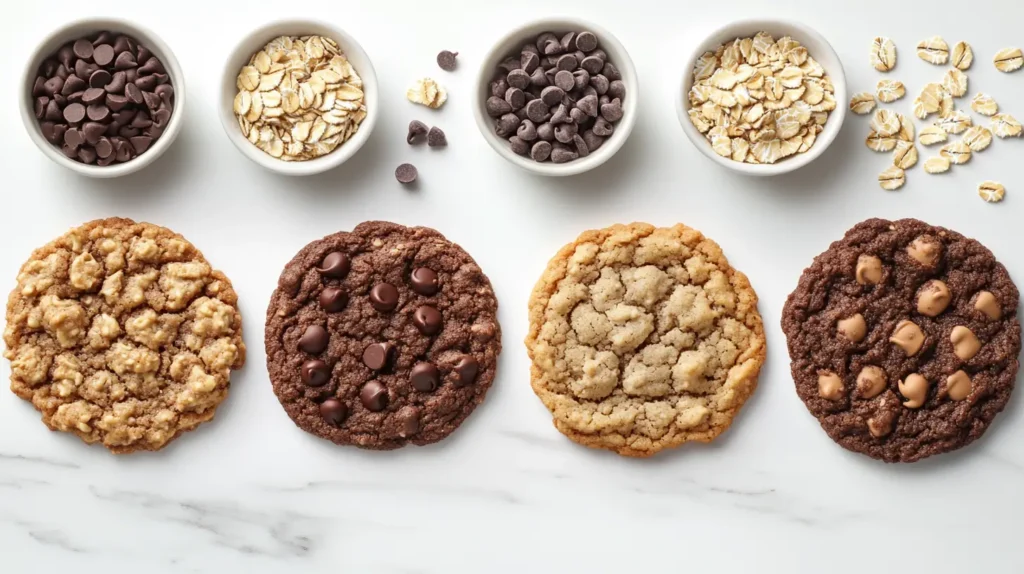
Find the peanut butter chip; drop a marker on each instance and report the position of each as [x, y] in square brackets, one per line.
[870, 382]
[965, 344]
[830, 386]
[933, 298]
[908, 336]
[853, 328]
[925, 250]
[880, 426]
[914, 388]
[987, 303]
[958, 386]
[869, 270]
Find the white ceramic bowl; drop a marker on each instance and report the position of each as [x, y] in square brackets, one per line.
[817, 47]
[78, 29]
[254, 42]
[510, 45]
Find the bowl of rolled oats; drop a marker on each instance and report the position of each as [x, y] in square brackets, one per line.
[298, 97]
[763, 97]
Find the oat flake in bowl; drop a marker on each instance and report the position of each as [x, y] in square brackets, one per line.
[758, 100]
[299, 98]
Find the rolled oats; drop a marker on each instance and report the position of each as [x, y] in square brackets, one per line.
[955, 83]
[299, 98]
[955, 123]
[963, 56]
[770, 95]
[428, 93]
[991, 191]
[956, 152]
[862, 103]
[886, 123]
[934, 50]
[1006, 126]
[879, 143]
[978, 138]
[905, 156]
[906, 129]
[889, 91]
[929, 101]
[932, 135]
[883, 54]
[936, 165]
[1009, 59]
[985, 105]
[892, 178]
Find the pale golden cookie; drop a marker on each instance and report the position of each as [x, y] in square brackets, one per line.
[121, 333]
[643, 338]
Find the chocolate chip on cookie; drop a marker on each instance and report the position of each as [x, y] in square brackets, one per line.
[121, 333]
[938, 356]
[643, 338]
[382, 336]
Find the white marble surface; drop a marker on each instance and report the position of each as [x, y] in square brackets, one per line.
[251, 493]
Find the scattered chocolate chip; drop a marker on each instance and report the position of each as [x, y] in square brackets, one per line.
[446, 60]
[334, 411]
[376, 356]
[336, 265]
[410, 419]
[436, 137]
[425, 377]
[374, 396]
[417, 129]
[384, 297]
[315, 373]
[466, 369]
[314, 340]
[427, 319]
[406, 173]
[333, 299]
[424, 281]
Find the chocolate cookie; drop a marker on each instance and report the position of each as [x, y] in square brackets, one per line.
[643, 338]
[904, 339]
[382, 336]
[122, 333]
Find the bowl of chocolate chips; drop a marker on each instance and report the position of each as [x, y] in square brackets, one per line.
[557, 97]
[103, 98]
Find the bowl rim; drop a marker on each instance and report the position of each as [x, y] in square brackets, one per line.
[623, 128]
[832, 127]
[58, 36]
[263, 34]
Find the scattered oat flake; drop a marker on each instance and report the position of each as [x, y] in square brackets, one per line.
[936, 165]
[985, 105]
[930, 100]
[889, 91]
[885, 122]
[955, 123]
[880, 143]
[883, 54]
[932, 135]
[955, 82]
[963, 56]
[862, 103]
[428, 93]
[906, 129]
[1009, 60]
[934, 50]
[905, 156]
[1005, 126]
[978, 138]
[892, 178]
[991, 191]
[956, 152]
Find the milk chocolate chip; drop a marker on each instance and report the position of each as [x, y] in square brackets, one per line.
[908, 336]
[914, 389]
[965, 344]
[869, 270]
[933, 298]
[853, 328]
[870, 382]
[830, 386]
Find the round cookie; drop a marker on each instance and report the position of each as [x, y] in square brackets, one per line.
[643, 338]
[383, 336]
[904, 339]
[121, 333]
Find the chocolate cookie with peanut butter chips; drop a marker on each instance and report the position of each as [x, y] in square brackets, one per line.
[122, 333]
[904, 339]
[382, 337]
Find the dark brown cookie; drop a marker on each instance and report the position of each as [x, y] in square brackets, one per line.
[382, 336]
[904, 339]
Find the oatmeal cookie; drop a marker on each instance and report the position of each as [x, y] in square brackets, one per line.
[382, 337]
[643, 338]
[121, 333]
[904, 339]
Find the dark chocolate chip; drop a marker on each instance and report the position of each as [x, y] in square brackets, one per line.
[424, 281]
[333, 411]
[425, 377]
[617, 89]
[117, 83]
[146, 83]
[39, 88]
[560, 115]
[538, 78]
[151, 66]
[58, 133]
[84, 69]
[406, 173]
[53, 112]
[105, 161]
[436, 137]
[140, 143]
[515, 98]
[611, 72]
[103, 54]
[125, 61]
[546, 132]
[530, 62]
[335, 265]
[66, 56]
[93, 95]
[93, 131]
[565, 132]
[314, 340]
[128, 133]
[384, 297]
[518, 79]
[141, 120]
[73, 84]
[518, 145]
[527, 131]
[577, 116]
[99, 79]
[497, 106]
[74, 113]
[376, 356]
[567, 63]
[552, 95]
[537, 111]
[588, 105]
[87, 155]
[83, 49]
[122, 149]
[315, 373]
[161, 118]
[581, 145]
[564, 80]
[73, 138]
[142, 54]
[133, 93]
[374, 396]
[592, 64]
[53, 86]
[446, 60]
[122, 44]
[333, 299]
[48, 131]
[104, 149]
[592, 140]
[98, 113]
[561, 153]
[603, 128]
[568, 41]
[69, 151]
[600, 84]
[586, 41]
[499, 87]
[417, 129]
[540, 151]
[152, 100]
[466, 370]
[507, 125]
[427, 319]
[612, 112]
[544, 38]
[581, 79]
[410, 418]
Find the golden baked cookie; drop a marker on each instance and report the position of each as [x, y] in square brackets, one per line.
[643, 338]
[121, 333]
